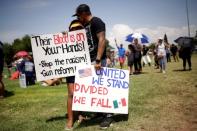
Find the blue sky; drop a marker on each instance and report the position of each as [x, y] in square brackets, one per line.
[151, 17]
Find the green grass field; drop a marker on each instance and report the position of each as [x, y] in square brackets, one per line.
[157, 102]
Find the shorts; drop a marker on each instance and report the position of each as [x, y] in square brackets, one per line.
[130, 63]
[70, 79]
[121, 59]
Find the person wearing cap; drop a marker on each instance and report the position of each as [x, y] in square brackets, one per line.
[161, 53]
[95, 30]
[121, 54]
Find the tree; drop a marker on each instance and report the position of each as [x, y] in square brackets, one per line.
[165, 38]
[152, 45]
[108, 46]
[26, 40]
[22, 44]
[8, 53]
[17, 45]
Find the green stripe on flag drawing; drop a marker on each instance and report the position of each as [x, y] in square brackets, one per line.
[115, 104]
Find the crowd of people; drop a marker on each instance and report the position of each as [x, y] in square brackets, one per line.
[24, 65]
[137, 56]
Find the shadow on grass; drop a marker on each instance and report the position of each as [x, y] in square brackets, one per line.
[91, 122]
[9, 93]
[98, 119]
[140, 73]
[57, 118]
[144, 73]
[180, 70]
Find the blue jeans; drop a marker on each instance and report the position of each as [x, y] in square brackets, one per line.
[162, 63]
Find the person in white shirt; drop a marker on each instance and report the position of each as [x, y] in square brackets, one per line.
[161, 53]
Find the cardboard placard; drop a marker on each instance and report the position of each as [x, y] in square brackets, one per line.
[57, 55]
[105, 90]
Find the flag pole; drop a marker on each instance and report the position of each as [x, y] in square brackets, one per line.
[188, 25]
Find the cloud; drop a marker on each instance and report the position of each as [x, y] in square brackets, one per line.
[120, 31]
[35, 4]
[9, 36]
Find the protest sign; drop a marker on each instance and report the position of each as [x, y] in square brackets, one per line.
[105, 90]
[146, 59]
[56, 55]
[22, 81]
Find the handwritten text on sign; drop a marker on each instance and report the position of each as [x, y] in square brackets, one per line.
[56, 55]
[105, 90]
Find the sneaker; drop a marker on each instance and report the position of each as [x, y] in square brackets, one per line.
[68, 128]
[44, 84]
[163, 72]
[107, 122]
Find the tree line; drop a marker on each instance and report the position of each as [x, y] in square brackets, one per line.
[10, 49]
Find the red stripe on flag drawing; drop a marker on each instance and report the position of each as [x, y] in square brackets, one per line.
[123, 101]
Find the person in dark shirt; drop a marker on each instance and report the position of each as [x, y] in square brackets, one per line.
[145, 56]
[144, 50]
[130, 58]
[174, 51]
[2, 90]
[186, 53]
[95, 30]
[137, 56]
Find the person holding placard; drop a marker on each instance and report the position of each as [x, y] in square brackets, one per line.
[95, 30]
[74, 25]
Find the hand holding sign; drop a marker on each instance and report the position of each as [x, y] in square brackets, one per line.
[104, 90]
